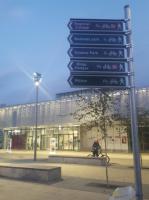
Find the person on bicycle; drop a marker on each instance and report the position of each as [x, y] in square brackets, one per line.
[96, 148]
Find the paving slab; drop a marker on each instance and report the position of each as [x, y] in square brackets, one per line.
[16, 190]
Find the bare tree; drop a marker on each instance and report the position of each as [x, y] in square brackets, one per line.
[96, 110]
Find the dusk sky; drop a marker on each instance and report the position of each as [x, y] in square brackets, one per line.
[33, 38]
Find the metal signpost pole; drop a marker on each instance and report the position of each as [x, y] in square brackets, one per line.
[132, 95]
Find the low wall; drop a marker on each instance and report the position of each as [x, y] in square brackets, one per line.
[76, 160]
[31, 173]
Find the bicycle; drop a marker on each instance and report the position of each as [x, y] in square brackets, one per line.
[100, 156]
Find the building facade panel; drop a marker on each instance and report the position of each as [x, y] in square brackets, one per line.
[55, 120]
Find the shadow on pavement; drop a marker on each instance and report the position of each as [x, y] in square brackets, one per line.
[96, 186]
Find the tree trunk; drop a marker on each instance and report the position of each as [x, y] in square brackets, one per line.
[107, 176]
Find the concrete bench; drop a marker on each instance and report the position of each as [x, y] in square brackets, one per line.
[31, 172]
[76, 160]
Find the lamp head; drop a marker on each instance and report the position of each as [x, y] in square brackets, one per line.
[37, 78]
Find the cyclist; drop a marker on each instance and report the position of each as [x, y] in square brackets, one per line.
[96, 148]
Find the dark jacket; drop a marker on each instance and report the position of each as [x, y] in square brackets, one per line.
[96, 146]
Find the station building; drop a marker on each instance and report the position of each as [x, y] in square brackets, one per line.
[55, 120]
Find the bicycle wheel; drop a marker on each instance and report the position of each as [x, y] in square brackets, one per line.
[106, 157]
[90, 155]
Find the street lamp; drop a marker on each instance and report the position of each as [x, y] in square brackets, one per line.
[37, 80]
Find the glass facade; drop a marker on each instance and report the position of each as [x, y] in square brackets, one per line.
[67, 138]
[55, 120]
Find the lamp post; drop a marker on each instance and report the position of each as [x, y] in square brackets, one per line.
[37, 80]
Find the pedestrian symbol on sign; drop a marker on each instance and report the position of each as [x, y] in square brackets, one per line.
[122, 81]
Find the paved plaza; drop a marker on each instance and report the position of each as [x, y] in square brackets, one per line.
[78, 181]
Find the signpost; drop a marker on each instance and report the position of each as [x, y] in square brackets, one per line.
[95, 25]
[97, 46]
[98, 60]
[96, 53]
[96, 39]
[83, 66]
[97, 81]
